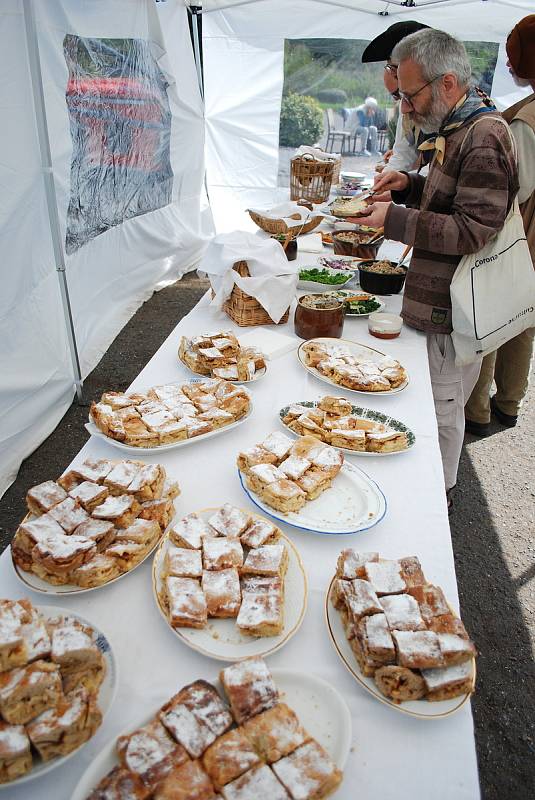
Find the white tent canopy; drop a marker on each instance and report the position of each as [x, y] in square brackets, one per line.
[114, 261]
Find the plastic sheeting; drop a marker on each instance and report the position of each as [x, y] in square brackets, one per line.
[244, 73]
[126, 130]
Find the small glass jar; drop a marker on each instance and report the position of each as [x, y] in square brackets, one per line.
[384, 326]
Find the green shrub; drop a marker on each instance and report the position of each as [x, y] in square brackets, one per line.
[301, 121]
[332, 96]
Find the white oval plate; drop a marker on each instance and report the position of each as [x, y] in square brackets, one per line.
[320, 708]
[315, 286]
[94, 431]
[422, 709]
[221, 638]
[106, 695]
[360, 350]
[363, 413]
[352, 504]
[259, 374]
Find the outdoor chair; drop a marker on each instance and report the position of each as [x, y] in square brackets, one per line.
[333, 134]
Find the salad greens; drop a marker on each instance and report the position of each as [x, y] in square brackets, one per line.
[322, 276]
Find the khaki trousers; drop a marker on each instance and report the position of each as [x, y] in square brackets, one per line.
[509, 366]
[451, 386]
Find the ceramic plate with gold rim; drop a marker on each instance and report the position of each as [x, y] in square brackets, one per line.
[422, 709]
[361, 351]
[221, 638]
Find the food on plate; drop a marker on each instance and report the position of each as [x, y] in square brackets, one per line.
[356, 237]
[359, 303]
[338, 363]
[302, 470]
[197, 748]
[112, 516]
[348, 206]
[50, 674]
[220, 355]
[319, 301]
[336, 262]
[384, 267]
[331, 420]
[232, 565]
[400, 628]
[326, 237]
[323, 276]
[169, 413]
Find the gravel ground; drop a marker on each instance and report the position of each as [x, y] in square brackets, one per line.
[492, 529]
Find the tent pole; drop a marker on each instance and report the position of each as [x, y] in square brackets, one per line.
[50, 188]
[196, 12]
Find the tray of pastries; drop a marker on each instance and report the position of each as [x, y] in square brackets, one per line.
[229, 583]
[220, 355]
[252, 735]
[398, 636]
[98, 521]
[354, 366]
[308, 484]
[169, 416]
[57, 680]
[349, 428]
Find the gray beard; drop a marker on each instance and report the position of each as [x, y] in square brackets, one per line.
[430, 123]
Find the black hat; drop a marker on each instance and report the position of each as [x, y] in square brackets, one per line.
[380, 48]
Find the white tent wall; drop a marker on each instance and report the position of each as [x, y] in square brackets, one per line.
[243, 45]
[112, 273]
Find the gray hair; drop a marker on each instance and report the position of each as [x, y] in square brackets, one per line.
[436, 53]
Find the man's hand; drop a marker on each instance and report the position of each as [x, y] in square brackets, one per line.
[390, 182]
[374, 215]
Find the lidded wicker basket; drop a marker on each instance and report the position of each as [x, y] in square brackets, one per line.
[310, 179]
[245, 310]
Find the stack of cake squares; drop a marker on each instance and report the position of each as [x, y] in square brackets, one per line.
[94, 523]
[196, 747]
[221, 356]
[286, 473]
[170, 413]
[401, 629]
[338, 363]
[230, 565]
[50, 673]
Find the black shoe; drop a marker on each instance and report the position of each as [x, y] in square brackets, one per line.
[507, 420]
[477, 428]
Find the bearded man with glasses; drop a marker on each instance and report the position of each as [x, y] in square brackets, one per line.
[456, 210]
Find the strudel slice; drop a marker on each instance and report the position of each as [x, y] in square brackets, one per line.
[69, 514]
[150, 753]
[91, 470]
[229, 757]
[335, 405]
[186, 728]
[182, 562]
[255, 455]
[27, 691]
[372, 644]
[222, 592]
[254, 784]
[418, 649]
[278, 444]
[249, 687]
[411, 571]
[221, 553]
[350, 439]
[45, 496]
[35, 634]
[314, 482]
[121, 510]
[187, 782]
[294, 467]
[15, 754]
[148, 483]
[270, 559]
[229, 521]
[100, 569]
[283, 495]
[161, 511]
[388, 442]
[399, 683]
[100, 531]
[402, 613]
[203, 700]
[308, 773]
[186, 603]
[275, 733]
[350, 564]
[61, 730]
[361, 601]
[73, 645]
[127, 554]
[260, 532]
[89, 495]
[385, 577]
[455, 649]
[145, 532]
[261, 475]
[189, 532]
[59, 555]
[13, 648]
[261, 614]
[120, 784]
[447, 682]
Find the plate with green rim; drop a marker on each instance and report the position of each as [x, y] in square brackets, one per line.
[363, 413]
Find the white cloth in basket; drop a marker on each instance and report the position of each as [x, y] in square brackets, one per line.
[285, 211]
[273, 280]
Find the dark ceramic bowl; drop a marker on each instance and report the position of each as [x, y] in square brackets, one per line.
[356, 249]
[380, 282]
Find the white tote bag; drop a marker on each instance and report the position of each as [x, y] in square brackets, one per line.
[493, 292]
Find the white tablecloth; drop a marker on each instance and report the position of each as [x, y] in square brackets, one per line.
[392, 756]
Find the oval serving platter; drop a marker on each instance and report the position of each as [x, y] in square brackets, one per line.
[422, 709]
[221, 638]
[359, 350]
[363, 413]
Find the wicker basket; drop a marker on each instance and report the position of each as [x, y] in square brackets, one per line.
[279, 225]
[310, 179]
[245, 310]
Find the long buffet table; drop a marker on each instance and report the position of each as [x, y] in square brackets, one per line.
[392, 755]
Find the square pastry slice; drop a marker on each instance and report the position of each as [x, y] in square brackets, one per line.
[35, 636]
[275, 733]
[122, 475]
[222, 592]
[254, 455]
[270, 559]
[206, 705]
[260, 532]
[69, 514]
[411, 571]
[249, 687]
[13, 648]
[186, 603]
[186, 728]
[309, 772]
[127, 554]
[148, 483]
[45, 496]
[278, 444]
[294, 467]
[385, 577]
[372, 644]
[183, 562]
[447, 682]
[229, 521]
[454, 648]
[261, 614]
[350, 564]
[150, 752]
[402, 613]
[314, 482]
[27, 691]
[89, 494]
[61, 554]
[100, 531]
[100, 569]
[254, 784]
[161, 511]
[121, 510]
[261, 475]
[362, 601]
[189, 781]
[142, 531]
[73, 645]
[120, 784]
[61, 730]
[283, 495]
[221, 553]
[418, 649]
[189, 532]
[15, 755]
[229, 757]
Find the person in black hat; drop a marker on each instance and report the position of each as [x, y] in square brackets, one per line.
[404, 152]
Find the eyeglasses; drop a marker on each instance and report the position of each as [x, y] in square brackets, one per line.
[409, 97]
[393, 68]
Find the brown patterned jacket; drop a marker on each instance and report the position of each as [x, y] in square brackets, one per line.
[454, 211]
